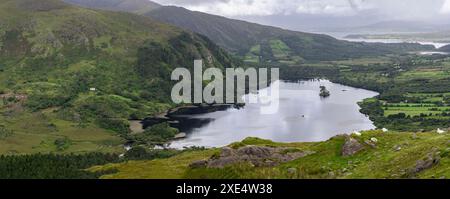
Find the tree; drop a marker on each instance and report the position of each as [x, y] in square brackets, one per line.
[324, 92]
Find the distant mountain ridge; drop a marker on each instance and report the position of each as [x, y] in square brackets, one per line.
[259, 43]
[134, 6]
[274, 43]
[399, 27]
[445, 48]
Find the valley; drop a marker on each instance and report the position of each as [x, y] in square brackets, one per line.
[74, 73]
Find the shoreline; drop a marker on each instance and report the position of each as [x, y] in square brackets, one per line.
[192, 121]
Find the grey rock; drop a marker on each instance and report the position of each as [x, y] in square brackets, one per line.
[257, 156]
[331, 174]
[227, 151]
[292, 171]
[260, 152]
[371, 144]
[199, 164]
[351, 147]
[223, 162]
[428, 162]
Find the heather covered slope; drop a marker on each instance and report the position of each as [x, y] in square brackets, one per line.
[71, 78]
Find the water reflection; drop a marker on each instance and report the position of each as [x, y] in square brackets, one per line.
[302, 116]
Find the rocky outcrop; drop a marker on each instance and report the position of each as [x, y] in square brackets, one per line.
[351, 147]
[371, 143]
[199, 164]
[431, 159]
[257, 156]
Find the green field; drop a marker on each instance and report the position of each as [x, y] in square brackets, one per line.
[254, 55]
[276, 49]
[423, 74]
[38, 133]
[415, 111]
[279, 49]
[365, 61]
[432, 104]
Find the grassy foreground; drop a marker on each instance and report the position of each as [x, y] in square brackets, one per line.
[396, 155]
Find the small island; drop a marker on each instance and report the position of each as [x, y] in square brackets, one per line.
[324, 92]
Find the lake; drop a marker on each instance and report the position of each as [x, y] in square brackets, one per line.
[435, 44]
[342, 36]
[302, 116]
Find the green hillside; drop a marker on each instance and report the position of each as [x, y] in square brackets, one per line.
[380, 155]
[134, 6]
[241, 38]
[71, 78]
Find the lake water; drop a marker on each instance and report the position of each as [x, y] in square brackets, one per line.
[302, 116]
[435, 44]
[342, 36]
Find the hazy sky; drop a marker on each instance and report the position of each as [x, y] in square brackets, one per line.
[286, 12]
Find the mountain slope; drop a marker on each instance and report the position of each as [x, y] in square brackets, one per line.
[66, 69]
[265, 44]
[445, 48]
[240, 37]
[60, 34]
[134, 6]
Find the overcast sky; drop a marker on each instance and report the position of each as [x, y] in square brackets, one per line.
[277, 11]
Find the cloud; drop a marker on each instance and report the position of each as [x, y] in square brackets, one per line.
[408, 9]
[242, 7]
[446, 7]
[398, 9]
[264, 7]
[340, 7]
